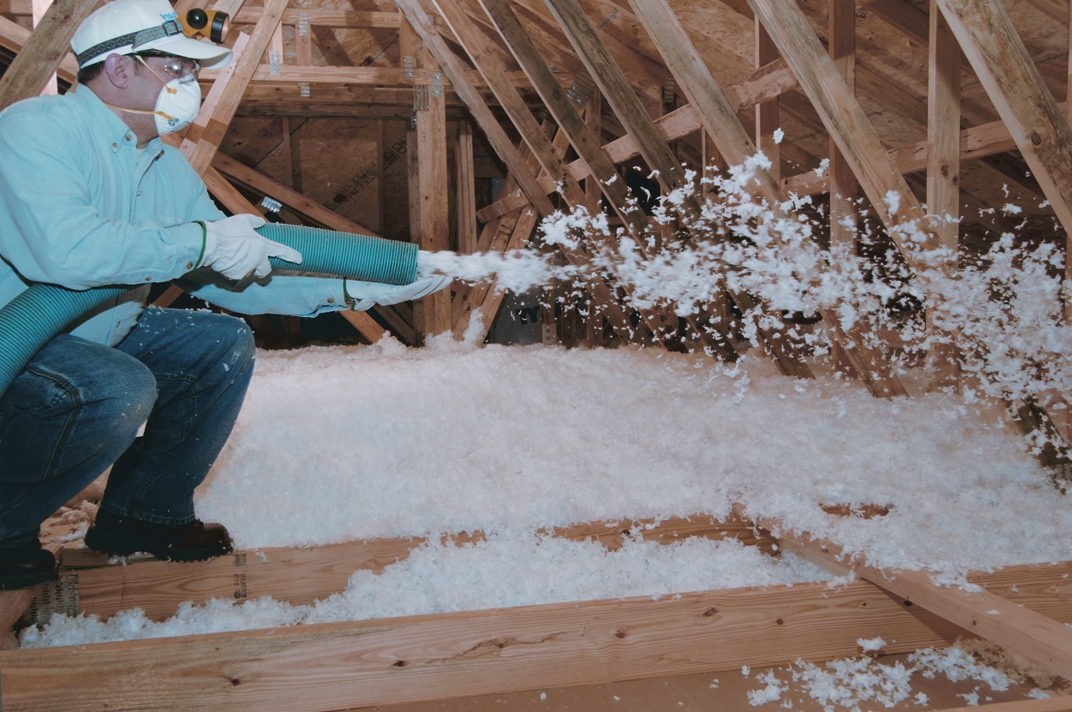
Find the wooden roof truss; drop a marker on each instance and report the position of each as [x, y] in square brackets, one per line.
[460, 53]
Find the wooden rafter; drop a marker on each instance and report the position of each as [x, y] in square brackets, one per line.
[44, 51]
[1013, 83]
[540, 147]
[14, 37]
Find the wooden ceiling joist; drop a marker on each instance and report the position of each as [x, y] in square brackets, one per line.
[440, 656]
[43, 51]
[1036, 636]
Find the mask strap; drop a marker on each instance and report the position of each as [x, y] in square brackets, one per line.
[170, 90]
[139, 111]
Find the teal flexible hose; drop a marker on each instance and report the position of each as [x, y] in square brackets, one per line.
[31, 319]
[343, 254]
[34, 317]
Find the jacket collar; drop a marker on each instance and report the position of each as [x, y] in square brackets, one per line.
[103, 121]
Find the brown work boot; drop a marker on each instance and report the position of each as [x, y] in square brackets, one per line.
[123, 536]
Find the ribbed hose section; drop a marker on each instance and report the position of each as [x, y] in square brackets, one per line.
[343, 254]
[30, 320]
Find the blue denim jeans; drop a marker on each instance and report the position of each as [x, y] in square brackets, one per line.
[77, 408]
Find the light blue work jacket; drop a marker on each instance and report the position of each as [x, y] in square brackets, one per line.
[80, 207]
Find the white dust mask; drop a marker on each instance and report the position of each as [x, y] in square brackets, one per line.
[177, 105]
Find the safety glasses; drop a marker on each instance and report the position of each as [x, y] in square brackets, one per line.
[177, 67]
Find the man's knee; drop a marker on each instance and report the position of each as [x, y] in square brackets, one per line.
[72, 404]
[235, 351]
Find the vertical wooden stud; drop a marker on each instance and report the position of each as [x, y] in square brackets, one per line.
[842, 33]
[767, 112]
[380, 186]
[943, 164]
[407, 42]
[288, 156]
[303, 41]
[274, 55]
[842, 48]
[593, 118]
[434, 235]
[466, 196]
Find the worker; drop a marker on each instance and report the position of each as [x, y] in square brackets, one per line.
[90, 196]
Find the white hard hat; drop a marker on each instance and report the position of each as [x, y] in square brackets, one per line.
[128, 26]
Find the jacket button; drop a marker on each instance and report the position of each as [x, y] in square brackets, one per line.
[148, 279]
[115, 145]
[189, 265]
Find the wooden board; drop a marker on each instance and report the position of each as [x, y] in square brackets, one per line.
[43, 51]
[985, 613]
[300, 576]
[342, 665]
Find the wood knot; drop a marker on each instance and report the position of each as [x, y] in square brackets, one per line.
[619, 635]
[710, 612]
[1035, 138]
[400, 664]
[780, 621]
[235, 681]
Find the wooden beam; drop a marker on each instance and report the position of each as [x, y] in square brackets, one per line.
[982, 140]
[732, 141]
[620, 95]
[845, 120]
[301, 576]
[466, 196]
[1039, 638]
[656, 152]
[491, 298]
[468, 298]
[432, 313]
[771, 80]
[841, 37]
[1050, 704]
[325, 17]
[41, 53]
[205, 138]
[943, 165]
[482, 54]
[440, 656]
[553, 169]
[583, 141]
[1006, 71]
[290, 198]
[455, 70]
[374, 76]
[767, 116]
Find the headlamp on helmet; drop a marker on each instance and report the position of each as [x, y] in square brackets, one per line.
[217, 23]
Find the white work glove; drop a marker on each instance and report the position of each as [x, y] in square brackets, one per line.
[234, 248]
[364, 295]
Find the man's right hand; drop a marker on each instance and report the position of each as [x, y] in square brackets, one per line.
[234, 248]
